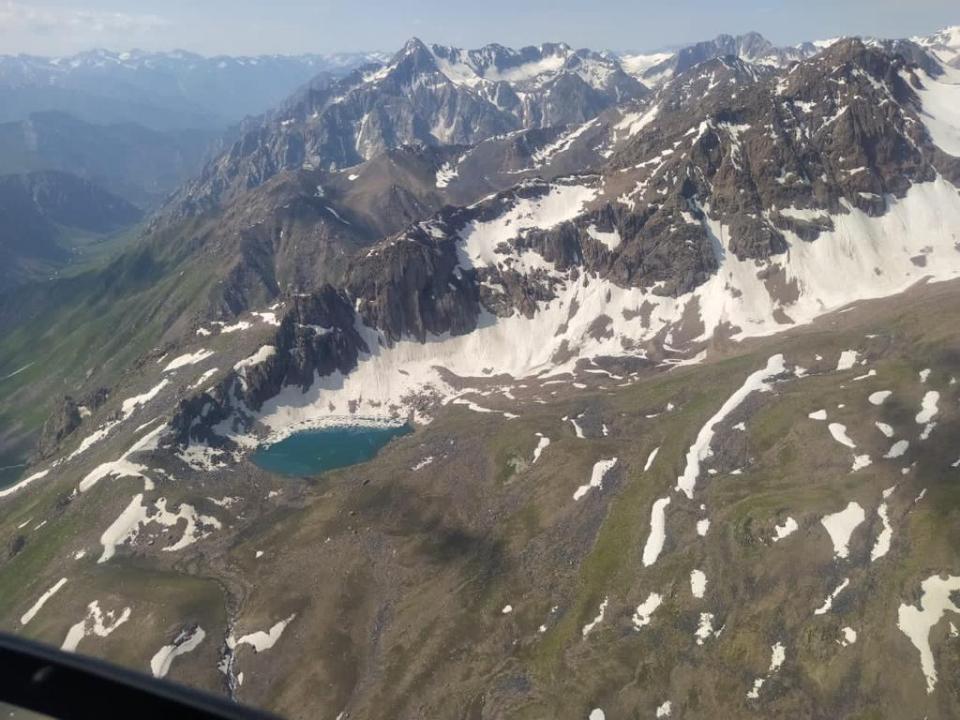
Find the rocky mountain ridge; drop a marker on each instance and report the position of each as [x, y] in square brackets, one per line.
[424, 95]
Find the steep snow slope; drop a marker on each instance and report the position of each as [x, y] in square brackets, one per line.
[863, 257]
[940, 97]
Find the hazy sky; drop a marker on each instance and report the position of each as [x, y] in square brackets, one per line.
[56, 27]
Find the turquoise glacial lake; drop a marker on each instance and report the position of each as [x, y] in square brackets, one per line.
[312, 452]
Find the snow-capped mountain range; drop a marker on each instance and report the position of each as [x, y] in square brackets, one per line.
[160, 90]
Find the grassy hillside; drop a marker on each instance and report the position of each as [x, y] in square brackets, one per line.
[397, 579]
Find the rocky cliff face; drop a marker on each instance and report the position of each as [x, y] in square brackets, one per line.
[765, 151]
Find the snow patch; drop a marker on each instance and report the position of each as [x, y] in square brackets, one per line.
[840, 527]
[759, 381]
[41, 601]
[188, 359]
[186, 641]
[645, 610]
[597, 620]
[96, 623]
[658, 531]
[788, 527]
[698, 583]
[879, 397]
[261, 640]
[600, 469]
[917, 622]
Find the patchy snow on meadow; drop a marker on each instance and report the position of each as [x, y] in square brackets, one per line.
[645, 610]
[839, 433]
[698, 583]
[828, 603]
[759, 381]
[663, 710]
[887, 430]
[187, 641]
[41, 601]
[917, 622]
[704, 628]
[879, 397]
[897, 449]
[598, 619]
[600, 470]
[261, 640]
[658, 531]
[23, 483]
[881, 545]
[778, 653]
[129, 406]
[188, 359]
[849, 636]
[126, 528]
[542, 444]
[928, 407]
[577, 429]
[818, 415]
[848, 358]
[96, 622]
[422, 463]
[787, 528]
[840, 527]
[650, 458]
